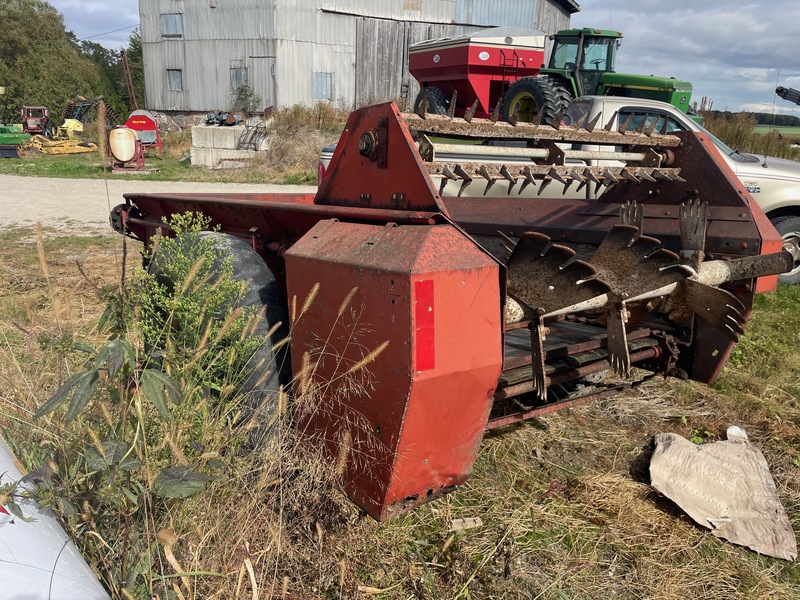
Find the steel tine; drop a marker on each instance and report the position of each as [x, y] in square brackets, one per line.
[506, 174]
[640, 127]
[609, 176]
[617, 339]
[484, 172]
[495, 113]
[537, 120]
[659, 174]
[593, 123]
[610, 125]
[545, 182]
[539, 376]
[627, 123]
[465, 177]
[529, 178]
[558, 117]
[629, 176]
[649, 131]
[451, 110]
[422, 109]
[580, 123]
[643, 173]
[514, 117]
[471, 111]
[589, 174]
[447, 175]
[630, 213]
[511, 242]
[553, 172]
[567, 186]
[576, 174]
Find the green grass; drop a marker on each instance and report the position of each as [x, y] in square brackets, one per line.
[90, 166]
[785, 131]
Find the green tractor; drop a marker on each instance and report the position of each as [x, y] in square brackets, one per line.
[581, 64]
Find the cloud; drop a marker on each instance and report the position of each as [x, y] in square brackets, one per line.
[87, 19]
[735, 54]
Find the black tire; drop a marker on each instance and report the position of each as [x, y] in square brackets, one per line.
[437, 103]
[530, 95]
[268, 369]
[789, 228]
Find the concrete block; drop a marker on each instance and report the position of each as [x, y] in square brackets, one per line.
[202, 136]
[227, 137]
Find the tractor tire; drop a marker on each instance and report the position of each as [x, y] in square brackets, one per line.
[268, 369]
[789, 228]
[530, 95]
[437, 103]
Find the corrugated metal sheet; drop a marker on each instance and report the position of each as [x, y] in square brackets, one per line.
[231, 19]
[433, 11]
[206, 67]
[283, 42]
[497, 13]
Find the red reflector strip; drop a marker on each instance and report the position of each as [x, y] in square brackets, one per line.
[425, 352]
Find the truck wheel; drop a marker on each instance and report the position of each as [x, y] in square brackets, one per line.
[529, 95]
[437, 103]
[269, 368]
[789, 228]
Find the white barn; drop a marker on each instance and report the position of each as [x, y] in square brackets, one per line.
[197, 52]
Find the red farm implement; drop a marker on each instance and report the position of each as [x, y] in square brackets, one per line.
[489, 310]
[475, 69]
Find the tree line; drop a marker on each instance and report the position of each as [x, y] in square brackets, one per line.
[762, 118]
[43, 64]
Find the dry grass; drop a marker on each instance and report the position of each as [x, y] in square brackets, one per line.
[565, 506]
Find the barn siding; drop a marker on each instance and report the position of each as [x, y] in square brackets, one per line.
[362, 44]
[497, 13]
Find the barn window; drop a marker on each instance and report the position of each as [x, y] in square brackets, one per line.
[175, 80]
[172, 25]
[321, 86]
[238, 78]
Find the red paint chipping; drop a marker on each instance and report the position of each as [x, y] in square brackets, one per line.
[425, 356]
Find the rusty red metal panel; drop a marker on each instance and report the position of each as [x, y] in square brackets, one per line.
[376, 165]
[410, 422]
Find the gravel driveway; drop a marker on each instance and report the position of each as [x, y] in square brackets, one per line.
[69, 204]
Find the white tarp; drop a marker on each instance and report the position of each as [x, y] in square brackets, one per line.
[727, 487]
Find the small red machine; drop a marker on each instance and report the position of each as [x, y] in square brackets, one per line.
[467, 314]
[35, 120]
[144, 124]
[478, 67]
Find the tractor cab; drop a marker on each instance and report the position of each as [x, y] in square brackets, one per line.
[582, 56]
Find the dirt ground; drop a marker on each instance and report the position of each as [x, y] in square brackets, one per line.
[75, 203]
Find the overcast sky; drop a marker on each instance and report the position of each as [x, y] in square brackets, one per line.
[733, 52]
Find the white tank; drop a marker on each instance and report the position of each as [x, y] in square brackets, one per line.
[122, 142]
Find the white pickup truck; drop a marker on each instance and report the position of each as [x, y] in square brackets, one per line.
[774, 183]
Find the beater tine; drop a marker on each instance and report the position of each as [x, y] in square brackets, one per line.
[465, 177]
[627, 123]
[484, 172]
[593, 123]
[471, 111]
[610, 125]
[514, 116]
[649, 131]
[451, 110]
[495, 113]
[629, 176]
[422, 109]
[506, 174]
